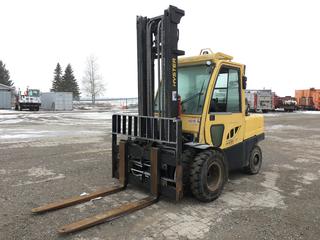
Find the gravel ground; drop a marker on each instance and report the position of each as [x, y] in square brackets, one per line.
[48, 156]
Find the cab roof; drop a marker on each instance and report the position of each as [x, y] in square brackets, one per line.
[205, 56]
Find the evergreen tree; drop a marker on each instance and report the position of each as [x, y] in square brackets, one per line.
[4, 75]
[57, 79]
[69, 83]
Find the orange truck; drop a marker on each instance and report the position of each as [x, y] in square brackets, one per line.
[308, 99]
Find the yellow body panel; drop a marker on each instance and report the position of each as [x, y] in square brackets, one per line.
[237, 125]
[254, 125]
[190, 123]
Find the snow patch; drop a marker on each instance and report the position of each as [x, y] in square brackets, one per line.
[270, 198]
[288, 166]
[39, 172]
[284, 127]
[11, 121]
[308, 178]
[20, 136]
[310, 112]
[297, 191]
[302, 160]
[59, 176]
[82, 238]
[90, 160]
[191, 227]
[270, 181]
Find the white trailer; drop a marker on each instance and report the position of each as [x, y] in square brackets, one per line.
[251, 97]
[57, 101]
[259, 100]
[264, 100]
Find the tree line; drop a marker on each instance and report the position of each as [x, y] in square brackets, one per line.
[93, 85]
[65, 82]
[5, 75]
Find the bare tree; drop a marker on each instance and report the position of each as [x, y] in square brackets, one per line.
[92, 81]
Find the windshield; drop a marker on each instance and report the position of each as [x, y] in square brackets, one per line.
[192, 87]
[34, 93]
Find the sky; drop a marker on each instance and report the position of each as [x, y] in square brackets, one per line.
[279, 41]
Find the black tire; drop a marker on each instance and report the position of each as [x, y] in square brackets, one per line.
[255, 161]
[188, 156]
[208, 175]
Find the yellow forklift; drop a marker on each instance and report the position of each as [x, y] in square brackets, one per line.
[191, 129]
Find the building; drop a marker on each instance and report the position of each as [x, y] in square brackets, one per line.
[6, 96]
[57, 101]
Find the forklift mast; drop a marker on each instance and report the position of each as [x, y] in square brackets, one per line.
[157, 42]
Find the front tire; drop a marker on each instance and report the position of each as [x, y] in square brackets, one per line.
[187, 158]
[208, 175]
[255, 161]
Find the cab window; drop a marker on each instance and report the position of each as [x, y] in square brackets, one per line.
[226, 94]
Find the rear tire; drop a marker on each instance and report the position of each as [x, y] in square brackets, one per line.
[255, 161]
[187, 158]
[208, 175]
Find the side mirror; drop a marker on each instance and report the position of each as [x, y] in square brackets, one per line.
[244, 82]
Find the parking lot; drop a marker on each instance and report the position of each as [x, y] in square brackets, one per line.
[49, 156]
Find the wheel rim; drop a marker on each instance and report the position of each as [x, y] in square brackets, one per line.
[256, 160]
[213, 176]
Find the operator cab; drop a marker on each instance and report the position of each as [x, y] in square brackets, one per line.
[33, 93]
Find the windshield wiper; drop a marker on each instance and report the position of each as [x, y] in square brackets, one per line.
[192, 96]
[200, 94]
[195, 95]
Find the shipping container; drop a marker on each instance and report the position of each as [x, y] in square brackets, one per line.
[57, 101]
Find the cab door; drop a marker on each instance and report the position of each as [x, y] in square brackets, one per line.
[224, 127]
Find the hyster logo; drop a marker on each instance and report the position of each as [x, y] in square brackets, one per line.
[174, 72]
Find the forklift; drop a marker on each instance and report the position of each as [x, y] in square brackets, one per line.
[191, 129]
